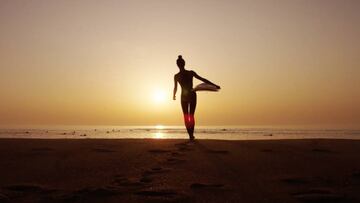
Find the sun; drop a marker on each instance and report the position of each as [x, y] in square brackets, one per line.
[159, 96]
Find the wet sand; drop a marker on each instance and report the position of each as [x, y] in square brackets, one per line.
[148, 170]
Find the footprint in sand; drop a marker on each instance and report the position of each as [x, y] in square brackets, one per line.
[163, 195]
[157, 193]
[185, 146]
[147, 176]
[319, 195]
[158, 151]
[155, 170]
[217, 151]
[102, 150]
[146, 179]
[177, 154]
[125, 182]
[205, 186]
[175, 161]
[182, 144]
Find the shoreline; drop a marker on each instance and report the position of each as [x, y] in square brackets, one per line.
[166, 132]
[185, 140]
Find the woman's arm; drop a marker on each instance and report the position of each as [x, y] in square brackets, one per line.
[204, 80]
[175, 88]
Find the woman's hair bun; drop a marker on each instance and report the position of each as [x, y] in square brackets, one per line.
[180, 61]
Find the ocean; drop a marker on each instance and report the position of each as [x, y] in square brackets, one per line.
[179, 132]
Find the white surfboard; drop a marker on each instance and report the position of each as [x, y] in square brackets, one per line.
[205, 87]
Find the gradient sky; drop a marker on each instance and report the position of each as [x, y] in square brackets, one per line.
[283, 62]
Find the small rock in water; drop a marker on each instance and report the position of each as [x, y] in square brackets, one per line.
[107, 131]
[27, 132]
[268, 134]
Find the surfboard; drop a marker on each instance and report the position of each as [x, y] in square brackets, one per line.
[205, 87]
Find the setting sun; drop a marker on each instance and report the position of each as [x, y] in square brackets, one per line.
[159, 96]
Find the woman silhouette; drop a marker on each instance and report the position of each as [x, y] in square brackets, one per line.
[188, 96]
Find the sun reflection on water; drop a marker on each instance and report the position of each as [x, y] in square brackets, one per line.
[159, 127]
[159, 135]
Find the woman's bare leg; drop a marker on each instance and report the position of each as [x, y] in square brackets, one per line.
[187, 118]
[192, 118]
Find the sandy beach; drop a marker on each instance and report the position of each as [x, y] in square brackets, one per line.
[150, 170]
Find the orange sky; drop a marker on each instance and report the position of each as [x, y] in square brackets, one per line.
[100, 62]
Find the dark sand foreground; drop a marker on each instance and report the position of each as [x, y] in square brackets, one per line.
[178, 171]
